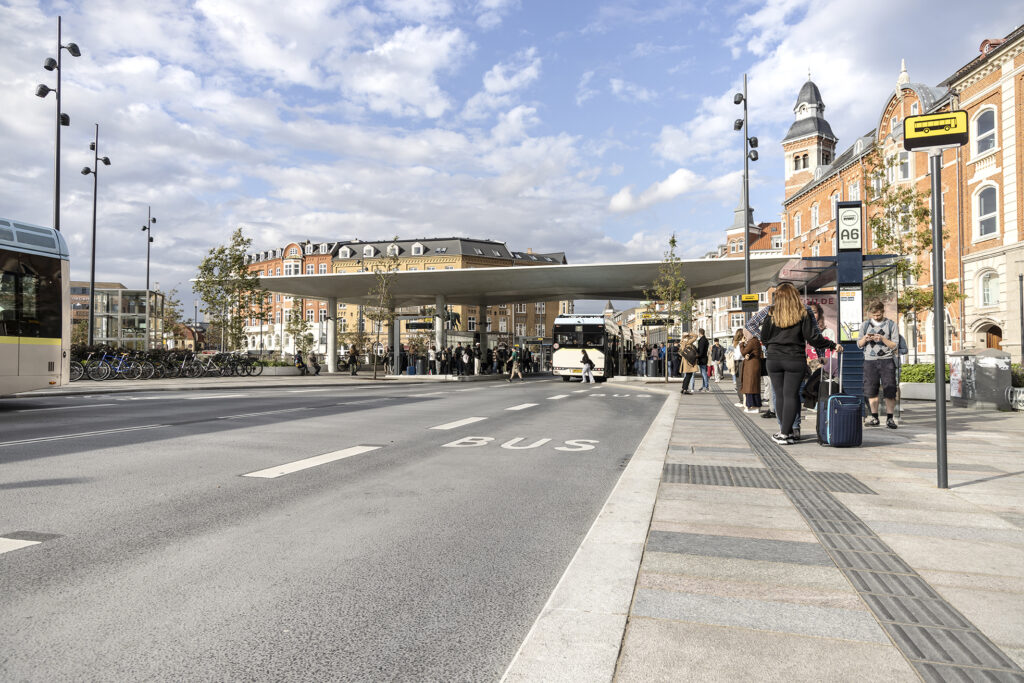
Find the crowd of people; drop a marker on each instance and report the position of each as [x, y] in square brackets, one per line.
[458, 360]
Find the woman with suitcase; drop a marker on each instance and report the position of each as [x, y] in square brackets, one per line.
[786, 331]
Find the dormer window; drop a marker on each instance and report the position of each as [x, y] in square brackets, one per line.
[323, 248]
[345, 252]
[392, 250]
[309, 248]
[368, 251]
[417, 249]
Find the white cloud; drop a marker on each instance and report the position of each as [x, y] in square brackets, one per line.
[583, 90]
[490, 13]
[512, 125]
[399, 76]
[679, 182]
[630, 92]
[417, 10]
[501, 81]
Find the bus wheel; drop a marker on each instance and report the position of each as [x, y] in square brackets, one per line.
[565, 378]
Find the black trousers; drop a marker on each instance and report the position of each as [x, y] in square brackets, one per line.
[786, 374]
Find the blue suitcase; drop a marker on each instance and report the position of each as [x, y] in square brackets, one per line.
[839, 422]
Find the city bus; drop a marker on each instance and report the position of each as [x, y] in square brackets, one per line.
[35, 316]
[598, 336]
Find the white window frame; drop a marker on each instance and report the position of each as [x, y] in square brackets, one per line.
[471, 323]
[520, 329]
[815, 249]
[323, 248]
[854, 191]
[323, 269]
[310, 269]
[502, 325]
[834, 201]
[520, 308]
[979, 217]
[293, 251]
[796, 224]
[309, 315]
[323, 315]
[368, 251]
[392, 250]
[417, 249]
[976, 136]
[345, 252]
[815, 216]
[309, 248]
[540, 329]
[913, 109]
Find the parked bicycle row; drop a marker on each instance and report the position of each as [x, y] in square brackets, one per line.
[107, 363]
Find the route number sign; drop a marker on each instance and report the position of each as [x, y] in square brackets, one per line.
[851, 226]
[935, 130]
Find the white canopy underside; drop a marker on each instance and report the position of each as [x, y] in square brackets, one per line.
[490, 286]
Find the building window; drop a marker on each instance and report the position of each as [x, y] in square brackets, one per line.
[392, 250]
[796, 225]
[900, 168]
[521, 308]
[502, 325]
[345, 252]
[293, 252]
[985, 210]
[796, 162]
[309, 315]
[985, 131]
[540, 329]
[826, 158]
[309, 248]
[835, 207]
[323, 248]
[323, 314]
[814, 216]
[471, 323]
[520, 329]
[776, 243]
[732, 247]
[854, 192]
[990, 289]
[893, 125]
[278, 270]
[913, 109]
[309, 268]
[539, 307]
[417, 249]
[739, 246]
[737, 320]
[441, 250]
[449, 267]
[368, 251]
[323, 269]
[342, 325]
[815, 250]
[804, 161]
[431, 268]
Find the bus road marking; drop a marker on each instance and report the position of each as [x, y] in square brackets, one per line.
[204, 398]
[555, 398]
[595, 395]
[522, 406]
[581, 391]
[78, 435]
[266, 412]
[459, 423]
[306, 463]
[306, 391]
[36, 410]
[9, 544]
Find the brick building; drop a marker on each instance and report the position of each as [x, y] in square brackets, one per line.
[531, 320]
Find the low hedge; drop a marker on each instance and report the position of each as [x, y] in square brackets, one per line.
[920, 372]
[1017, 375]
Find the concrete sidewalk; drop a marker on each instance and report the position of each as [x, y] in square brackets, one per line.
[812, 563]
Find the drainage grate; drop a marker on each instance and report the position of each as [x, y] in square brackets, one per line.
[940, 643]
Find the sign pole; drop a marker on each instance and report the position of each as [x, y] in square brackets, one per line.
[939, 314]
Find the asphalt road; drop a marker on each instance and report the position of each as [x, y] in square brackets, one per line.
[405, 551]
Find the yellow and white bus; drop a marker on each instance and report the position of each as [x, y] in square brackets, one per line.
[598, 336]
[35, 317]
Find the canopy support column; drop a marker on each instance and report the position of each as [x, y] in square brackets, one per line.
[332, 334]
[396, 344]
[440, 307]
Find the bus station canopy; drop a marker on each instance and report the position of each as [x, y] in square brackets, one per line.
[492, 286]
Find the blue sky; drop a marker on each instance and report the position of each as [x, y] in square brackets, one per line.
[593, 128]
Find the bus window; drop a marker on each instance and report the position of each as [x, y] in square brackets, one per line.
[593, 339]
[564, 336]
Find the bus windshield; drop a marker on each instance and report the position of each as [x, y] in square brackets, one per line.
[589, 336]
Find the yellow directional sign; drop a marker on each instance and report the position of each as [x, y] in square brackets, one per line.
[935, 130]
[749, 303]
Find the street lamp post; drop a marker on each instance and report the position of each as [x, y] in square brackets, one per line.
[749, 154]
[95, 147]
[148, 229]
[52, 64]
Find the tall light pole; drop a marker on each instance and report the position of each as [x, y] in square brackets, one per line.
[749, 154]
[148, 229]
[95, 147]
[63, 119]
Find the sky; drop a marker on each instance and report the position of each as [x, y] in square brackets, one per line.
[594, 128]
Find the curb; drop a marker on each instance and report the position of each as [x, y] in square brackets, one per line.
[579, 632]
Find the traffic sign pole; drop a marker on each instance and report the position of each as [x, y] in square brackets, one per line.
[939, 314]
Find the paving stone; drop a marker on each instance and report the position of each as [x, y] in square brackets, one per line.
[744, 548]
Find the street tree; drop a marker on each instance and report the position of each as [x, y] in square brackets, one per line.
[899, 219]
[297, 328]
[669, 295]
[383, 308]
[228, 289]
[173, 316]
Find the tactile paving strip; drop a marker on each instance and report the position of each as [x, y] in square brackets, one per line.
[939, 642]
[760, 477]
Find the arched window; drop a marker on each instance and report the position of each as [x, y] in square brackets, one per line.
[985, 131]
[835, 206]
[826, 158]
[804, 159]
[989, 286]
[814, 216]
[796, 162]
[985, 212]
[796, 225]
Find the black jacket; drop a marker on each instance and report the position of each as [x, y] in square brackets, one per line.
[702, 351]
[717, 354]
[790, 342]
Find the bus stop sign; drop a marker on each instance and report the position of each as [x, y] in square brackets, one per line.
[935, 130]
[750, 303]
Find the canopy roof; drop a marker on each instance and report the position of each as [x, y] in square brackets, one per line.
[491, 286]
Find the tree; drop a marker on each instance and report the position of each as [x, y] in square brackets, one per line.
[172, 314]
[383, 308]
[900, 222]
[669, 295]
[80, 333]
[228, 288]
[298, 328]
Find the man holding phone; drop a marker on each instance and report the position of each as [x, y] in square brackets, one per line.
[880, 339]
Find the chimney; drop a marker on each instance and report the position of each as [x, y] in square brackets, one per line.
[529, 250]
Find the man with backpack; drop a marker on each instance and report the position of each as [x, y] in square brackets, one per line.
[880, 339]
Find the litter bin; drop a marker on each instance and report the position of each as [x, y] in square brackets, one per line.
[978, 379]
[421, 366]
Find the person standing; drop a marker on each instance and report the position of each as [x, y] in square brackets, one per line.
[432, 360]
[737, 365]
[353, 361]
[702, 359]
[786, 331]
[688, 361]
[718, 358]
[880, 340]
[751, 381]
[588, 368]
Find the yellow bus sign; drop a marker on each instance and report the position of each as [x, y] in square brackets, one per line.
[935, 130]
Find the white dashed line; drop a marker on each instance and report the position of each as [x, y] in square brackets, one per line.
[581, 391]
[470, 389]
[9, 544]
[266, 412]
[206, 398]
[432, 393]
[555, 398]
[37, 410]
[288, 468]
[460, 423]
[522, 406]
[305, 391]
[601, 395]
[79, 435]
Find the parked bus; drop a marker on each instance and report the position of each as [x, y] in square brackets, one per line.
[596, 335]
[35, 316]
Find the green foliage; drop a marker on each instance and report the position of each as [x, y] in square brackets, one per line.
[1017, 375]
[228, 289]
[298, 328]
[383, 309]
[173, 315]
[80, 333]
[669, 289]
[920, 372]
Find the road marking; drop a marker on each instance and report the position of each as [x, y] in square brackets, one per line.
[266, 412]
[581, 391]
[522, 406]
[459, 423]
[36, 410]
[643, 395]
[555, 398]
[305, 391]
[78, 435]
[365, 400]
[288, 468]
[432, 393]
[204, 398]
[9, 544]
[470, 389]
[601, 395]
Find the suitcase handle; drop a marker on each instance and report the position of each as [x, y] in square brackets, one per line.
[825, 365]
